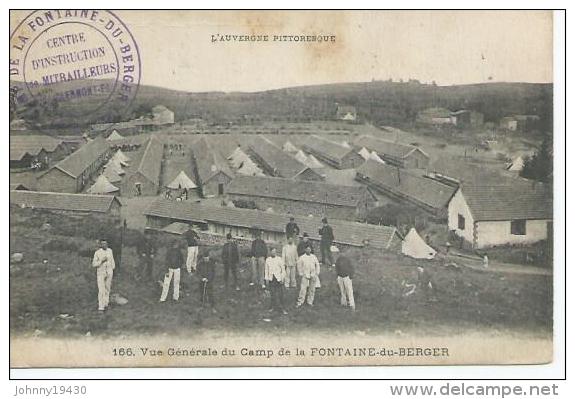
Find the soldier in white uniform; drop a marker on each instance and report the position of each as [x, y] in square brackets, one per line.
[104, 263]
[308, 269]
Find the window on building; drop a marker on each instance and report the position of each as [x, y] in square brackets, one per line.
[460, 222]
[518, 227]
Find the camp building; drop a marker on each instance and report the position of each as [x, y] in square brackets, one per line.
[346, 113]
[216, 222]
[299, 197]
[276, 162]
[212, 172]
[519, 122]
[403, 155]
[487, 216]
[24, 149]
[434, 116]
[333, 154]
[143, 176]
[77, 204]
[71, 174]
[466, 118]
[429, 195]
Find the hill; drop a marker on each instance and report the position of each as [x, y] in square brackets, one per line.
[380, 102]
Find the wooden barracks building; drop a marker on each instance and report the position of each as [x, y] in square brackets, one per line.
[74, 172]
[276, 162]
[299, 197]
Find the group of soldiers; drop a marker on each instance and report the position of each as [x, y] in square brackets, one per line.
[295, 267]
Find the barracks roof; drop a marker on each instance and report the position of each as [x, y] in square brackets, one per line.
[297, 190]
[150, 163]
[509, 202]
[20, 145]
[209, 161]
[349, 233]
[275, 158]
[427, 191]
[77, 162]
[63, 201]
[328, 148]
[390, 148]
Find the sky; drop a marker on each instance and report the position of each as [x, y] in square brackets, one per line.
[457, 47]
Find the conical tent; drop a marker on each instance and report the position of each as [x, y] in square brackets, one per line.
[182, 181]
[414, 246]
[120, 162]
[300, 156]
[237, 157]
[375, 157]
[345, 144]
[313, 163]
[235, 153]
[249, 168]
[120, 156]
[289, 147]
[115, 136]
[364, 152]
[112, 175]
[102, 186]
[517, 165]
[116, 166]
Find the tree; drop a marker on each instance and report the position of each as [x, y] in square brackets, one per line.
[540, 166]
[144, 110]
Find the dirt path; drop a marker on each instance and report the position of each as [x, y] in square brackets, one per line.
[497, 267]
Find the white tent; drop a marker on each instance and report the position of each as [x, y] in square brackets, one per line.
[375, 157]
[364, 152]
[289, 147]
[414, 246]
[182, 181]
[115, 136]
[235, 153]
[345, 144]
[120, 156]
[517, 165]
[116, 166]
[249, 168]
[102, 186]
[119, 162]
[112, 175]
[313, 163]
[300, 156]
[237, 157]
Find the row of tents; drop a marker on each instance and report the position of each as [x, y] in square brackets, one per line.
[365, 154]
[312, 161]
[309, 160]
[113, 172]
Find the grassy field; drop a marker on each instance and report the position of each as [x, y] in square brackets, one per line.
[53, 293]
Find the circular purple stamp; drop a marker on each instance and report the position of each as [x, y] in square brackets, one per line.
[74, 63]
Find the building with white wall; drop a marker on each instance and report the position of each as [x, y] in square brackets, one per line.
[488, 216]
